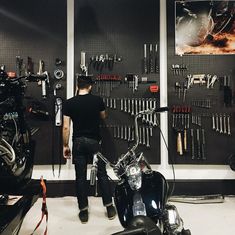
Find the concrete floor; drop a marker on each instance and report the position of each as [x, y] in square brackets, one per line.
[201, 219]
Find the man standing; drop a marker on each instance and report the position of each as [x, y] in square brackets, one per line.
[86, 110]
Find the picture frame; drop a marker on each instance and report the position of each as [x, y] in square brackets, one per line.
[205, 27]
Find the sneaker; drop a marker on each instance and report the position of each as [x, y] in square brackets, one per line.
[83, 216]
[111, 212]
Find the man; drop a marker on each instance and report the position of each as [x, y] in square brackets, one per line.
[86, 110]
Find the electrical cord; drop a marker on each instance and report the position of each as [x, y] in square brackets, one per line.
[172, 165]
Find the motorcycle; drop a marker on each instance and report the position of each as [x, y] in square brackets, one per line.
[16, 145]
[141, 194]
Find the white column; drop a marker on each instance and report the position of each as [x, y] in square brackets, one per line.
[70, 62]
[163, 83]
[70, 48]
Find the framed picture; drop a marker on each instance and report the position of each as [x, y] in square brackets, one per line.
[205, 27]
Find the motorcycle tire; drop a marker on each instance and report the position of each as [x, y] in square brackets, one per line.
[185, 232]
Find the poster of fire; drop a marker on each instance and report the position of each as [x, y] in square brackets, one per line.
[204, 27]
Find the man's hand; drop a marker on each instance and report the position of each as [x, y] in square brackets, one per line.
[66, 132]
[66, 152]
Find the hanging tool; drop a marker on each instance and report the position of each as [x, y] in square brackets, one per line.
[185, 87]
[151, 62]
[58, 74]
[178, 89]
[213, 121]
[58, 111]
[192, 144]
[228, 124]
[145, 61]
[224, 121]
[198, 144]
[179, 143]
[156, 59]
[211, 80]
[83, 65]
[203, 144]
[43, 81]
[227, 92]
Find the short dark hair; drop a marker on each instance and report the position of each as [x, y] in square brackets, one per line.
[84, 81]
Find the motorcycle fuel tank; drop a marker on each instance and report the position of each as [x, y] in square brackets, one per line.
[154, 193]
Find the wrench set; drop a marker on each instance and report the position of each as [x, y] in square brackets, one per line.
[205, 103]
[132, 106]
[150, 60]
[221, 123]
[183, 118]
[127, 133]
[105, 85]
[179, 69]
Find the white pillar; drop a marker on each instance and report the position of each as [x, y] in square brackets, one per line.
[163, 83]
[70, 48]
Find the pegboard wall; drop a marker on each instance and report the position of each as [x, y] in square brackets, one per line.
[201, 91]
[112, 34]
[34, 31]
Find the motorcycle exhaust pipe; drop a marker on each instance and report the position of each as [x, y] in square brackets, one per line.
[93, 170]
[93, 175]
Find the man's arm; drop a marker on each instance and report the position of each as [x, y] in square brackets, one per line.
[66, 133]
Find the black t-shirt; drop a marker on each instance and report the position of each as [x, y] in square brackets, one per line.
[84, 110]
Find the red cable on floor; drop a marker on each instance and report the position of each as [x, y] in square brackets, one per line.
[44, 207]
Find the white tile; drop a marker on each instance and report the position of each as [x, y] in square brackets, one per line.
[201, 219]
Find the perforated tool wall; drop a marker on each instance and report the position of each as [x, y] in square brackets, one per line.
[112, 34]
[200, 94]
[33, 31]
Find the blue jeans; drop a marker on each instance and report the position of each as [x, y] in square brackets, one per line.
[83, 150]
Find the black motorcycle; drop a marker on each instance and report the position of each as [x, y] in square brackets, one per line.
[141, 194]
[16, 144]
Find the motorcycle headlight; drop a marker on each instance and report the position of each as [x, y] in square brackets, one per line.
[174, 222]
[134, 176]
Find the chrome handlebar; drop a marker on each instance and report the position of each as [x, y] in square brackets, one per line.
[129, 153]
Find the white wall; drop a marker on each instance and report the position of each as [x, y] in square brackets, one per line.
[181, 171]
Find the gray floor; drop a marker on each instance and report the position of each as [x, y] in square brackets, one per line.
[202, 219]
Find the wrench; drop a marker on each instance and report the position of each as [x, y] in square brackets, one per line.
[129, 105]
[140, 102]
[132, 107]
[225, 129]
[147, 136]
[118, 132]
[217, 122]
[198, 144]
[122, 132]
[147, 107]
[121, 104]
[221, 123]
[129, 133]
[143, 108]
[125, 132]
[140, 135]
[136, 106]
[114, 132]
[125, 105]
[213, 122]
[143, 134]
[203, 144]
[228, 121]
[192, 143]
